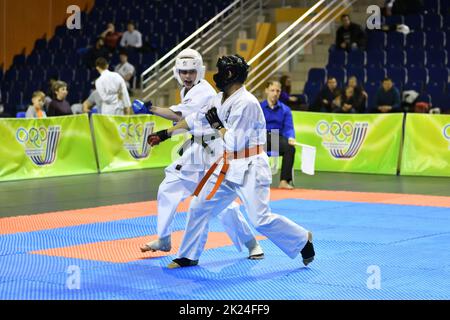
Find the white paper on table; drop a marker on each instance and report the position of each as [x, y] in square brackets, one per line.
[308, 158]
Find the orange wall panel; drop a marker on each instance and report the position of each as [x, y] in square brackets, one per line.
[25, 21]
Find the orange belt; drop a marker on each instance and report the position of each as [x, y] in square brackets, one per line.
[223, 171]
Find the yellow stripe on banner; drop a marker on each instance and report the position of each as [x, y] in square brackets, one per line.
[292, 14]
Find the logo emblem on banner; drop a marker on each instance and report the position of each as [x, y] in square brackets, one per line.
[134, 137]
[343, 141]
[446, 133]
[40, 143]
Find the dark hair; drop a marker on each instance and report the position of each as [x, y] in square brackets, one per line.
[271, 82]
[123, 52]
[331, 78]
[387, 79]
[101, 63]
[131, 22]
[285, 87]
[344, 16]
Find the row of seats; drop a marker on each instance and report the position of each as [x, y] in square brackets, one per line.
[430, 40]
[427, 22]
[395, 57]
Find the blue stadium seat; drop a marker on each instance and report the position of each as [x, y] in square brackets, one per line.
[438, 75]
[33, 59]
[436, 58]
[24, 75]
[54, 44]
[337, 58]
[45, 59]
[375, 74]
[395, 40]
[19, 60]
[432, 22]
[66, 74]
[415, 40]
[338, 72]
[414, 22]
[356, 58]
[40, 44]
[417, 74]
[21, 114]
[60, 59]
[395, 58]
[317, 75]
[376, 58]
[311, 90]
[395, 19]
[445, 9]
[431, 6]
[424, 97]
[376, 40]
[371, 89]
[398, 75]
[415, 58]
[413, 85]
[435, 89]
[358, 72]
[11, 75]
[435, 40]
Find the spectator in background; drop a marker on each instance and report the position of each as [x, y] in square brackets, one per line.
[285, 96]
[345, 103]
[59, 105]
[359, 95]
[280, 130]
[49, 97]
[92, 101]
[350, 36]
[111, 37]
[387, 98]
[99, 51]
[131, 38]
[324, 99]
[36, 110]
[125, 69]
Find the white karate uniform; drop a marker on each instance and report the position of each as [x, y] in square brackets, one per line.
[113, 92]
[249, 178]
[185, 173]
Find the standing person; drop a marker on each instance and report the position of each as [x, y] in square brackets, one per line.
[183, 175]
[131, 38]
[124, 68]
[59, 105]
[244, 169]
[112, 90]
[350, 36]
[280, 129]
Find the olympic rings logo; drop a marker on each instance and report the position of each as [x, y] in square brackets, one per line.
[35, 136]
[446, 132]
[131, 130]
[339, 131]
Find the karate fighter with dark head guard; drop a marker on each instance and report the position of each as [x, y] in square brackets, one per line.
[198, 154]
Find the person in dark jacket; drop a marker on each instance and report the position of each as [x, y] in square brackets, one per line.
[324, 99]
[359, 94]
[59, 105]
[350, 35]
[387, 98]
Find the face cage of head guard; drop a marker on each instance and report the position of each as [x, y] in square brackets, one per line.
[188, 64]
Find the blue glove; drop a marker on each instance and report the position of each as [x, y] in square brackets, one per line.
[141, 107]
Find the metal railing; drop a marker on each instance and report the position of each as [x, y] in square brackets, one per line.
[294, 39]
[205, 39]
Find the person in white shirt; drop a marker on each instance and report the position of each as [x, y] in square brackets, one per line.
[131, 38]
[198, 154]
[124, 68]
[112, 90]
[243, 171]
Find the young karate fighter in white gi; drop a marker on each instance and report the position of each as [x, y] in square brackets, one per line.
[243, 171]
[202, 150]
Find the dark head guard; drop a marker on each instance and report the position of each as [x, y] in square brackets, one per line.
[231, 69]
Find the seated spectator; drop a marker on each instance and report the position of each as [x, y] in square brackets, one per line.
[326, 96]
[92, 101]
[99, 51]
[280, 130]
[111, 37]
[350, 36]
[285, 96]
[345, 103]
[387, 98]
[59, 105]
[359, 95]
[131, 38]
[36, 110]
[125, 69]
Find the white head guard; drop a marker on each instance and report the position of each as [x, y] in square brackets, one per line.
[189, 59]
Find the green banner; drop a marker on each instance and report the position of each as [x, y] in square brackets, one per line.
[37, 148]
[426, 150]
[360, 143]
[121, 142]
